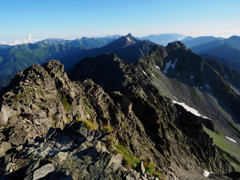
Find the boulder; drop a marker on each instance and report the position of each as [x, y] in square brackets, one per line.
[5, 146]
[43, 171]
[4, 114]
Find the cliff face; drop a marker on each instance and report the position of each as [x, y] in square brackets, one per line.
[54, 128]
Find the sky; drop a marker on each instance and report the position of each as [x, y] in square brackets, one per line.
[25, 21]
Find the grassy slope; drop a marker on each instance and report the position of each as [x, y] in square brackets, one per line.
[227, 146]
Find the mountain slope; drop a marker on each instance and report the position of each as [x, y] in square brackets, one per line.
[234, 40]
[190, 70]
[198, 41]
[231, 64]
[207, 86]
[4, 46]
[141, 122]
[205, 47]
[18, 57]
[223, 50]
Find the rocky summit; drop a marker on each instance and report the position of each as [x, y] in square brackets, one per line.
[55, 128]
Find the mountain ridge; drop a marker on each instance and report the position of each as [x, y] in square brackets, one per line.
[143, 119]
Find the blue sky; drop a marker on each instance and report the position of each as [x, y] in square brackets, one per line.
[26, 20]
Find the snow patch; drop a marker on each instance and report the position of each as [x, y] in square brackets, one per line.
[226, 76]
[145, 73]
[129, 39]
[157, 67]
[152, 74]
[169, 64]
[179, 39]
[230, 139]
[208, 87]
[206, 173]
[173, 66]
[191, 77]
[192, 110]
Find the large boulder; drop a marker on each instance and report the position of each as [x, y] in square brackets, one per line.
[5, 113]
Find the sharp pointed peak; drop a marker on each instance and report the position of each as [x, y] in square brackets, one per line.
[129, 35]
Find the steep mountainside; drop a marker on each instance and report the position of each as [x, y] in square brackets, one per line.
[231, 64]
[99, 133]
[207, 86]
[175, 70]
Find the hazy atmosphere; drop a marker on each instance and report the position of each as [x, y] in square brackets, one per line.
[28, 21]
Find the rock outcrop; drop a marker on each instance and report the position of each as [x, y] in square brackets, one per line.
[60, 129]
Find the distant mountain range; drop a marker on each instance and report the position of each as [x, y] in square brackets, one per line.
[192, 42]
[16, 58]
[219, 48]
[127, 48]
[164, 39]
[69, 52]
[83, 42]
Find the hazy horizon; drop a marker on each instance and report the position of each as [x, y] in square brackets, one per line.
[29, 21]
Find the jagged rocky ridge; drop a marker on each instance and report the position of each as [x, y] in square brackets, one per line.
[200, 84]
[147, 124]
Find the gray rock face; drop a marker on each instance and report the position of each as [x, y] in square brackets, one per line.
[140, 168]
[43, 171]
[4, 147]
[4, 114]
